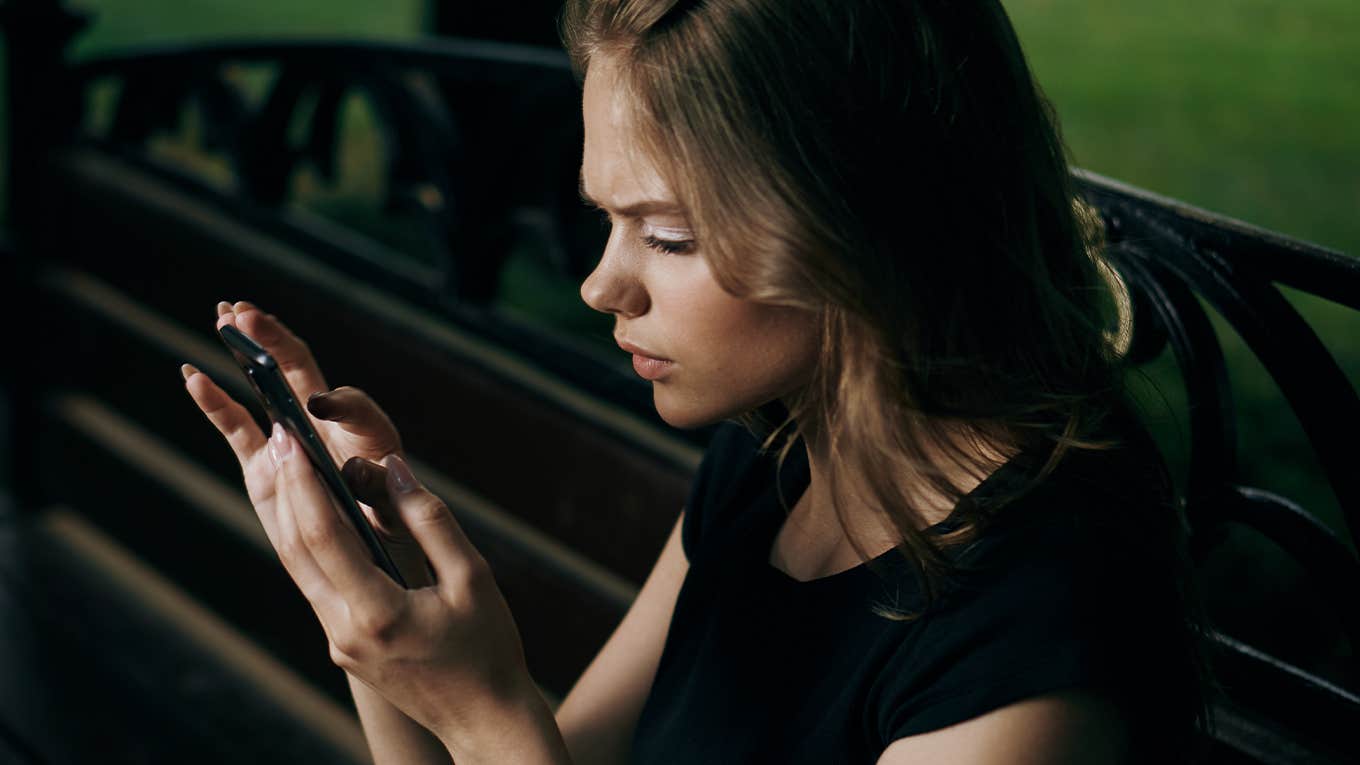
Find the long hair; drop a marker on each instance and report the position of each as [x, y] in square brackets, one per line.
[893, 168]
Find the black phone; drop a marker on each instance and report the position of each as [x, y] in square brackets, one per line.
[282, 406]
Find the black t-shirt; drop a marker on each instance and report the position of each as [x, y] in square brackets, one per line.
[1071, 586]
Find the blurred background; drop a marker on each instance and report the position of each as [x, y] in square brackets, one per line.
[1246, 108]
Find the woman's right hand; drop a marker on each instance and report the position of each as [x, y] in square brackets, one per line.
[356, 431]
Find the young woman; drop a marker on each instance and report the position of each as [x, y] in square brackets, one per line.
[938, 535]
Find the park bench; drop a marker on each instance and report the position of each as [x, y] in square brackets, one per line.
[151, 620]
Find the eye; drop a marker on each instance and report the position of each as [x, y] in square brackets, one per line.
[671, 240]
[668, 246]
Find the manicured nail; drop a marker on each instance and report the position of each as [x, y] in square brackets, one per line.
[319, 404]
[281, 443]
[188, 370]
[223, 308]
[355, 469]
[242, 306]
[401, 474]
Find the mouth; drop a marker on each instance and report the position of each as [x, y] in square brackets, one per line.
[645, 363]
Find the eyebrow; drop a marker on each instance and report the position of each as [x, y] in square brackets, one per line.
[634, 210]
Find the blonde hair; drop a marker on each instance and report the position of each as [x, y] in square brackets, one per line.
[891, 167]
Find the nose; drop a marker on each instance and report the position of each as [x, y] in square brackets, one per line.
[615, 286]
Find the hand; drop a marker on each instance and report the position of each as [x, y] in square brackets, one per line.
[448, 655]
[354, 429]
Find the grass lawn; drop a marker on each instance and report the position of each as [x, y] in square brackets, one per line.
[1244, 107]
[124, 23]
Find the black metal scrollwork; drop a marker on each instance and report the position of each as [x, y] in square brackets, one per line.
[481, 140]
[1170, 253]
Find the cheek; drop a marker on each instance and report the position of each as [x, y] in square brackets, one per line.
[755, 352]
[715, 324]
[733, 354]
[784, 347]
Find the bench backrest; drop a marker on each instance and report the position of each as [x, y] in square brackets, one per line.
[547, 449]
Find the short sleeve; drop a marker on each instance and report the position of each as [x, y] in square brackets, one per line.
[724, 474]
[1078, 589]
[1036, 624]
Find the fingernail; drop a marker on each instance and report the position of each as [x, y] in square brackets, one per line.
[319, 404]
[188, 370]
[242, 306]
[401, 474]
[355, 468]
[223, 307]
[281, 443]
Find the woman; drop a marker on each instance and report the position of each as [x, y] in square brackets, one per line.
[939, 536]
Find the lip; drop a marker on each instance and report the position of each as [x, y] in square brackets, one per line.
[638, 350]
[647, 365]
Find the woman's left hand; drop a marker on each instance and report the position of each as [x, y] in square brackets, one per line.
[449, 654]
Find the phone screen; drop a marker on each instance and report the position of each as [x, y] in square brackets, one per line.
[282, 406]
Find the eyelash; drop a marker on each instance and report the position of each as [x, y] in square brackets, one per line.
[666, 246]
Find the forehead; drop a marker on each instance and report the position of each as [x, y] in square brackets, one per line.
[615, 169]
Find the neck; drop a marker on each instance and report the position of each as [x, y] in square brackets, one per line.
[814, 540]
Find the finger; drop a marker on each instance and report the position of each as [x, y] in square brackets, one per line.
[430, 523]
[367, 481]
[357, 413]
[231, 419]
[335, 547]
[223, 319]
[291, 353]
[244, 437]
[298, 561]
[223, 308]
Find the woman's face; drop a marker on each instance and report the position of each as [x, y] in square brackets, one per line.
[710, 355]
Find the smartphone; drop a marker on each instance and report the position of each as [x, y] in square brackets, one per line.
[274, 392]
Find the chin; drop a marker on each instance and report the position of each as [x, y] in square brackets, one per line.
[687, 414]
[685, 418]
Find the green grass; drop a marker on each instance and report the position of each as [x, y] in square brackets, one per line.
[122, 24]
[1247, 107]
[1244, 107]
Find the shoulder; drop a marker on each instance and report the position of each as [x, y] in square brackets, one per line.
[1054, 729]
[1074, 590]
[1108, 508]
[1028, 617]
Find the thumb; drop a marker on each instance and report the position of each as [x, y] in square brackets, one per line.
[434, 528]
[357, 413]
[367, 481]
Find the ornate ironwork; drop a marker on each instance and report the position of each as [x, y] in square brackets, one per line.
[441, 105]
